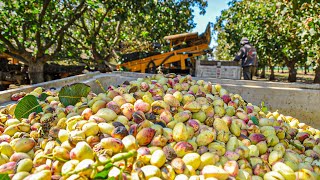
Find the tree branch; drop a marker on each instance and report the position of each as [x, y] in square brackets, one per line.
[85, 27]
[78, 42]
[66, 26]
[100, 24]
[117, 32]
[15, 38]
[24, 34]
[59, 45]
[16, 56]
[39, 24]
[7, 42]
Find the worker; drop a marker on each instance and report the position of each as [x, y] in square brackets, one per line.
[248, 56]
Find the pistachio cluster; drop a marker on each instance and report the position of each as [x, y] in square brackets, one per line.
[159, 127]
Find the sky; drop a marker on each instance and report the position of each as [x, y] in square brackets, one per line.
[212, 11]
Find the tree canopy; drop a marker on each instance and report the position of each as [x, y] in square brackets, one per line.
[35, 32]
[284, 32]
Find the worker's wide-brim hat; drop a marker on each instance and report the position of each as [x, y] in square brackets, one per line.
[244, 40]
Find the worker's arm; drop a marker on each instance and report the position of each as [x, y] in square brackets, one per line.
[240, 54]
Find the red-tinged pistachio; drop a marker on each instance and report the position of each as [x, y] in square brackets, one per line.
[157, 97]
[234, 104]
[133, 129]
[93, 140]
[209, 121]
[182, 116]
[253, 129]
[119, 132]
[180, 132]
[159, 141]
[145, 136]
[8, 168]
[226, 98]
[144, 86]
[242, 116]
[250, 109]
[171, 100]
[260, 170]
[159, 106]
[113, 144]
[301, 136]
[192, 106]
[99, 104]
[309, 143]
[112, 93]
[232, 155]
[143, 151]
[194, 124]
[169, 152]
[86, 113]
[140, 105]
[231, 167]
[150, 116]
[244, 132]
[202, 149]
[246, 142]
[182, 148]
[114, 106]
[24, 145]
[256, 138]
[60, 152]
[178, 165]
[166, 116]
[119, 100]
[138, 95]
[127, 110]
[138, 117]
[81, 151]
[17, 156]
[117, 124]
[97, 119]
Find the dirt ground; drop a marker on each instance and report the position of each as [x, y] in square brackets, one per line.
[283, 76]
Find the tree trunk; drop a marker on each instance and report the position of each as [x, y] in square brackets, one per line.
[263, 72]
[306, 69]
[35, 72]
[256, 72]
[282, 69]
[272, 78]
[292, 71]
[317, 75]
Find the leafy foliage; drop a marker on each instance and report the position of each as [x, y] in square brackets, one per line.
[4, 177]
[26, 106]
[35, 32]
[71, 94]
[110, 28]
[43, 96]
[282, 31]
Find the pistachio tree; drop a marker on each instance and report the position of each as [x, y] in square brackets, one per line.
[33, 31]
[284, 32]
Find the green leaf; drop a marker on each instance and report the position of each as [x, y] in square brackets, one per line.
[4, 177]
[104, 173]
[254, 120]
[264, 109]
[43, 96]
[26, 106]
[71, 94]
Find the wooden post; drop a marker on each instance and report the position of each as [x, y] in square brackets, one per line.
[183, 62]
